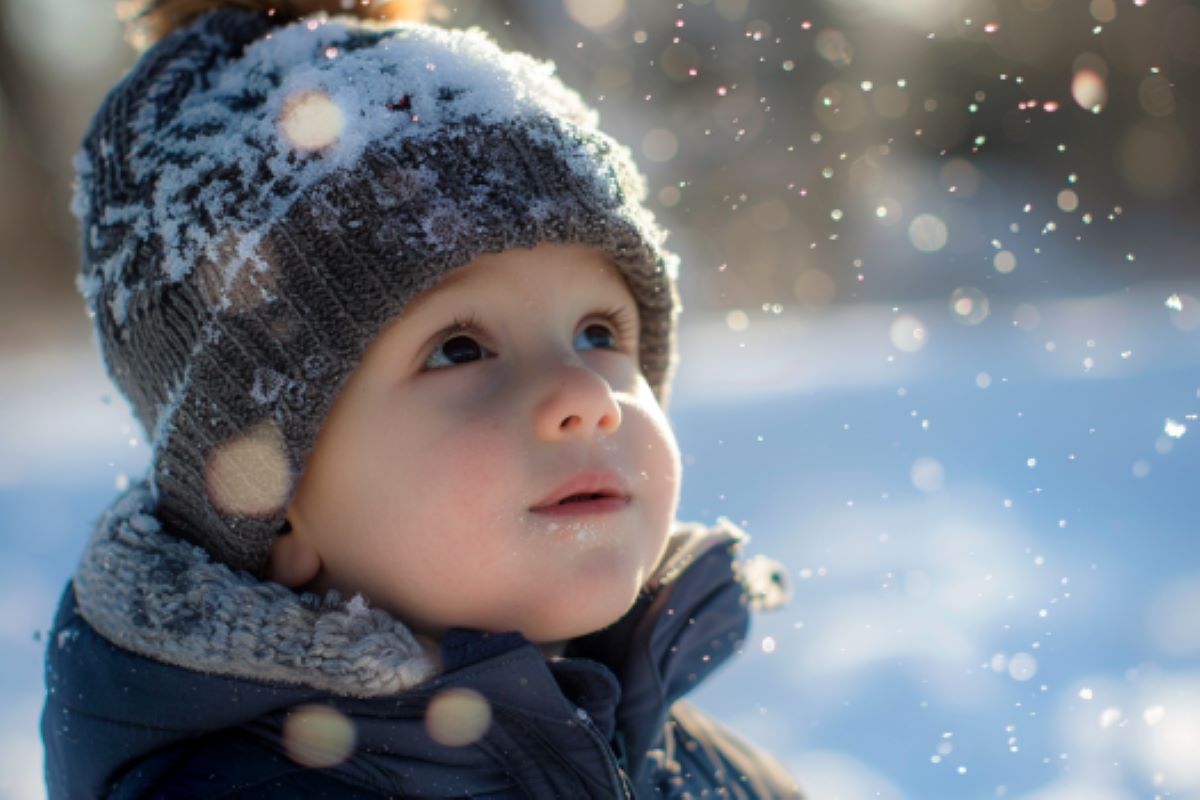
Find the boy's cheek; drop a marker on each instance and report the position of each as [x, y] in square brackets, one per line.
[473, 462]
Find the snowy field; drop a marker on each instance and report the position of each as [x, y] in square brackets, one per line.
[990, 530]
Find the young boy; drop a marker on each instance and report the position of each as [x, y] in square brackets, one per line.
[401, 332]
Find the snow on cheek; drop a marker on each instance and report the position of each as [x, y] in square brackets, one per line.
[249, 475]
[576, 532]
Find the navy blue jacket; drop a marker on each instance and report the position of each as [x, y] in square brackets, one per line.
[603, 721]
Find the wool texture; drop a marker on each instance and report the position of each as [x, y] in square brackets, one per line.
[155, 594]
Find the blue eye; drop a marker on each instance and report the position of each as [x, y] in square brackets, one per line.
[604, 333]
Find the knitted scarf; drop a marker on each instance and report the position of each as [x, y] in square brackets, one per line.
[164, 598]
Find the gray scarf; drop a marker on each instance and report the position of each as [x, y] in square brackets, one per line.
[164, 598]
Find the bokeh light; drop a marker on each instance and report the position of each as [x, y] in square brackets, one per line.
[311, 120]
[907, 333]
[1022, 666]
[1004, 262]
[659, 145]
[458, 717]
[249, 476]
[928, 233]
[318, 736]
[969, 305]
[928, 474]
[1089, 90]
[599, 15]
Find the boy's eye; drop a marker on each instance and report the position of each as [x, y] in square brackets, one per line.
[602, 333]
[459, 349]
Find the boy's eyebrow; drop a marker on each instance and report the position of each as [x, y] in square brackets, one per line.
[447, 281]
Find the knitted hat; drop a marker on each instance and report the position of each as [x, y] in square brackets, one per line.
[260, 196]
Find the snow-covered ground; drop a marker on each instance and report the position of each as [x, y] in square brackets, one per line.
[990, 530]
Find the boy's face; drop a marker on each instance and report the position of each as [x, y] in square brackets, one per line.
[421, 490]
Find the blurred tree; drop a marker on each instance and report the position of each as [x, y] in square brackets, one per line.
[35, 227]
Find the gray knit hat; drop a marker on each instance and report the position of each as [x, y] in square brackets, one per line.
[260, 197]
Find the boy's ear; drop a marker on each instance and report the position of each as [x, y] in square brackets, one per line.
[293, 561]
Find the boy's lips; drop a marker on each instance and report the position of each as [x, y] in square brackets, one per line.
[587, 488]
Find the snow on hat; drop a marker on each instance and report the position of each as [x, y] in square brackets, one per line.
[265, 190]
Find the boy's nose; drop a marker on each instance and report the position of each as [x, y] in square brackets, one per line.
[576, 402]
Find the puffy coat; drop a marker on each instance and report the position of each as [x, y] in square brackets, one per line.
[170, 675]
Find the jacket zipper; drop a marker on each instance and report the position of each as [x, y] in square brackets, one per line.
[616, 775]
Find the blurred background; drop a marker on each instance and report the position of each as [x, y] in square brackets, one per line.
[940, 356]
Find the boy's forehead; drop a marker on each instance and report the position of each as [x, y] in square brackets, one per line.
[593, 270]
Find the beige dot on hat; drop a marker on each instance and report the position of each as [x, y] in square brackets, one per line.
[249, 475]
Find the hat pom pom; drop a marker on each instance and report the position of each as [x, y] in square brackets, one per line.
[148, 21]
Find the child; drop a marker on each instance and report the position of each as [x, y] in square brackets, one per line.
[400, 331]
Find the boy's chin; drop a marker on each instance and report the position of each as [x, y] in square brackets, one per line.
[587, 619]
